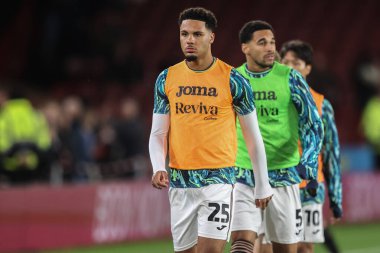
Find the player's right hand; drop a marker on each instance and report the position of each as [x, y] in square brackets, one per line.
[160, 179]
[263, 203]
[312, 187]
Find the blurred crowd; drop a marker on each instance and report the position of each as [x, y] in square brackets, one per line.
[78, 80]
[366, 75]
[68, 141]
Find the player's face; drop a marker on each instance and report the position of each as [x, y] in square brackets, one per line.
[261, 48]
[290, 59]
[195, 39]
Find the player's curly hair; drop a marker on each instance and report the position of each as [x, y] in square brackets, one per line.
[250, 27]
[301, 49]
[201, 14]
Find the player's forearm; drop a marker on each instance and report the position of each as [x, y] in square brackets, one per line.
[335, 193]
[158, 141]
[256, 151]
[310, 124]
[334, 183]
[332, 175]
[334, 187]
[311, 142]
[331, 157]
[311, 134]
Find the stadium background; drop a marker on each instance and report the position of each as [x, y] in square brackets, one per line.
[107, 52]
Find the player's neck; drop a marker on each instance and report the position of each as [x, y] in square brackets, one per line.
[255, 68]
[201, 64]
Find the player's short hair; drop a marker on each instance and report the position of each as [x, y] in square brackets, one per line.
[250, 27]
[201, 14]
[301, 49]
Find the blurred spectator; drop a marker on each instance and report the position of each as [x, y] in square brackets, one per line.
[322, 76]
[24, 140]
[130, 129]
[77, 141]
[121, 147]
[53, 113]
[371, 124]
[366, 75]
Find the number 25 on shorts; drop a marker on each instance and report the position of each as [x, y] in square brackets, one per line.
[225, 214]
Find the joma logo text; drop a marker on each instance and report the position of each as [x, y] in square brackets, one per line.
[197, 91]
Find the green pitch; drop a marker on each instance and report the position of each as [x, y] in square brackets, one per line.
[350, 238]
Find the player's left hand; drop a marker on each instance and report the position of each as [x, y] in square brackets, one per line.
[334, 220]
[337, 214]
[262, 203]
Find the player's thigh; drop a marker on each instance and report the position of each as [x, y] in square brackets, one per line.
[313, 223]
[184, 224]
[214, 214]
[283, 216]
[246, 216]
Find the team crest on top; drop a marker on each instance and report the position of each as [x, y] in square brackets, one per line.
[197, 91]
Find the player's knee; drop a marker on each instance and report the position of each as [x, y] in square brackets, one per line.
[244, 235]
[241, 246]
[266, 248]
[305, 248]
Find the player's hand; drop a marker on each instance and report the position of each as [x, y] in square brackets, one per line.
[337, 214]
[334, 220]
[160, 179]
[312, 187]
[262, 203]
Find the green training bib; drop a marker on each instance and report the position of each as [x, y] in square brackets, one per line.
[278, 119]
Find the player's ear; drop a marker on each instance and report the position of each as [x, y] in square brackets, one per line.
[244, 48]
[212, 38]
[308, 69]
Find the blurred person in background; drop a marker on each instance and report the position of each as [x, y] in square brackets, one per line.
[121, 137]
[77, 140]
[299, 55]
[370, 124]
[325, 78]
[366, 76]
[120, 143]
[25, 140]
[195, 103]
[130, 137]
[53, 114]
[287, 113]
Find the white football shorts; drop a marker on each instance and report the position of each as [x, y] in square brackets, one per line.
[246, 215]
[204, 212]
[313, 223]
[283, 217]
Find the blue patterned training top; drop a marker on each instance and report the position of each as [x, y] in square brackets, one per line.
[310, 132]
[331, 164]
